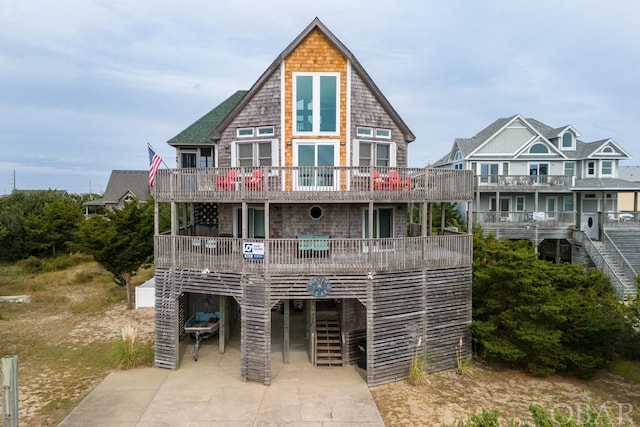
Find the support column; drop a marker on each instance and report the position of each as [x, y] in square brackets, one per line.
[222, 330]
[430, 226]
[370, 231]
[442, 218]
[156, 218]
[245, 221]
[285, 349]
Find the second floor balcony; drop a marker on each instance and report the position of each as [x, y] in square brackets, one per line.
[292, 184]
[524, 183]
[312, 256]
[520, 219]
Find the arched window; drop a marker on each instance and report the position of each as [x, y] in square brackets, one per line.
[607, 150]
[567, 140]
[539, 149]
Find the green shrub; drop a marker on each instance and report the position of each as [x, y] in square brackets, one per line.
[31, 265]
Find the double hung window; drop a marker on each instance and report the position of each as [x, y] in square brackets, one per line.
[374, 154]
[254, 153]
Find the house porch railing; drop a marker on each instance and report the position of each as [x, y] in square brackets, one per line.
[312, 256]
[524, 183]
[524, 218]
[350, 184]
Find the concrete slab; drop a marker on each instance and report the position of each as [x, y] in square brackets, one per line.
[211, 392]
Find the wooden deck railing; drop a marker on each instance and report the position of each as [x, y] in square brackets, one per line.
[526, 183]
[312, 183]
[285, 256]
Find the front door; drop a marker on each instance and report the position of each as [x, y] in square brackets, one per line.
[590, 225]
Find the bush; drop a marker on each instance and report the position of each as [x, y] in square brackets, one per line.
[130, 353]
[31, 265]
[544, 317]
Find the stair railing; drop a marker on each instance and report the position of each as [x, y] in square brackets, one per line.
[627, 268]
[602, 264]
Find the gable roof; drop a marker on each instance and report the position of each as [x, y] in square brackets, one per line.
[200, 131]
[629, 173]
[121, 183]
[316, 24]
[583, 149]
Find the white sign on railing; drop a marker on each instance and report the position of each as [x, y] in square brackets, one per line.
[538, 216]
[253, 250]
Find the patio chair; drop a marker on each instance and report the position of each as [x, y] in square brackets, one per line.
[397, 183]
[380, 183]
[227, 183]
[254, 182]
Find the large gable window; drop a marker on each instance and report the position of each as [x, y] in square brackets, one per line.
[316, 107]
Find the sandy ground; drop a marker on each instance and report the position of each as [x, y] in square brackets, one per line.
[445, 397]
[45, 387]
[448, 396]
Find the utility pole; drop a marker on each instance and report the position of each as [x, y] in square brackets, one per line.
[14, 180]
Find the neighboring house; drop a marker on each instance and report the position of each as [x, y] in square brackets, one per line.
[533, 181]
[628, 202]
[123, 186]
[295, 194]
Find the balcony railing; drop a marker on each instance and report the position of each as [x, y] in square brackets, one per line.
[548, 183]
[300, 257]
[312, 183]
[622, 220]
[520, 218]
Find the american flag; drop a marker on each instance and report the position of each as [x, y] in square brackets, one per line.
[154, 163]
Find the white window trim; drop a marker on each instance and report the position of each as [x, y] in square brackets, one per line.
[316, 104]
[356, 153]
[382, 136]
[275, 146]
[364, 135]
[315, 142]
[586, 168]
[613, 172]
[245, 136]
[271, 133]
[548, 153]
[573, 142]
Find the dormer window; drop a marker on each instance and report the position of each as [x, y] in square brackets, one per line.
[539, 149]
[567, 140]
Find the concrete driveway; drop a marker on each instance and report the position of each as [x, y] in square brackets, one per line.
[211, 392]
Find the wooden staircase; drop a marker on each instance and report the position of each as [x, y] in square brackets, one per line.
[328, 339]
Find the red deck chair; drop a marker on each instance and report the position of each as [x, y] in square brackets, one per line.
[254, 182]
[397, 183]
[380, 183]
[228, 183]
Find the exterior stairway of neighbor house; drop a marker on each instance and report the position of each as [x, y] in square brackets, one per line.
[620, 250]
[328, 338]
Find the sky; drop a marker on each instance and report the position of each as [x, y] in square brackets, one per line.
[86, 84]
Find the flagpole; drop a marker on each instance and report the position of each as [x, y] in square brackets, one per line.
[154, 150]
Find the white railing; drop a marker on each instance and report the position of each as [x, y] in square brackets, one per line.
[506, 218]
[602, 264]
[525, 182]
[627, 268]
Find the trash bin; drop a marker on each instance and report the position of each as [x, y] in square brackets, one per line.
[362, 352]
